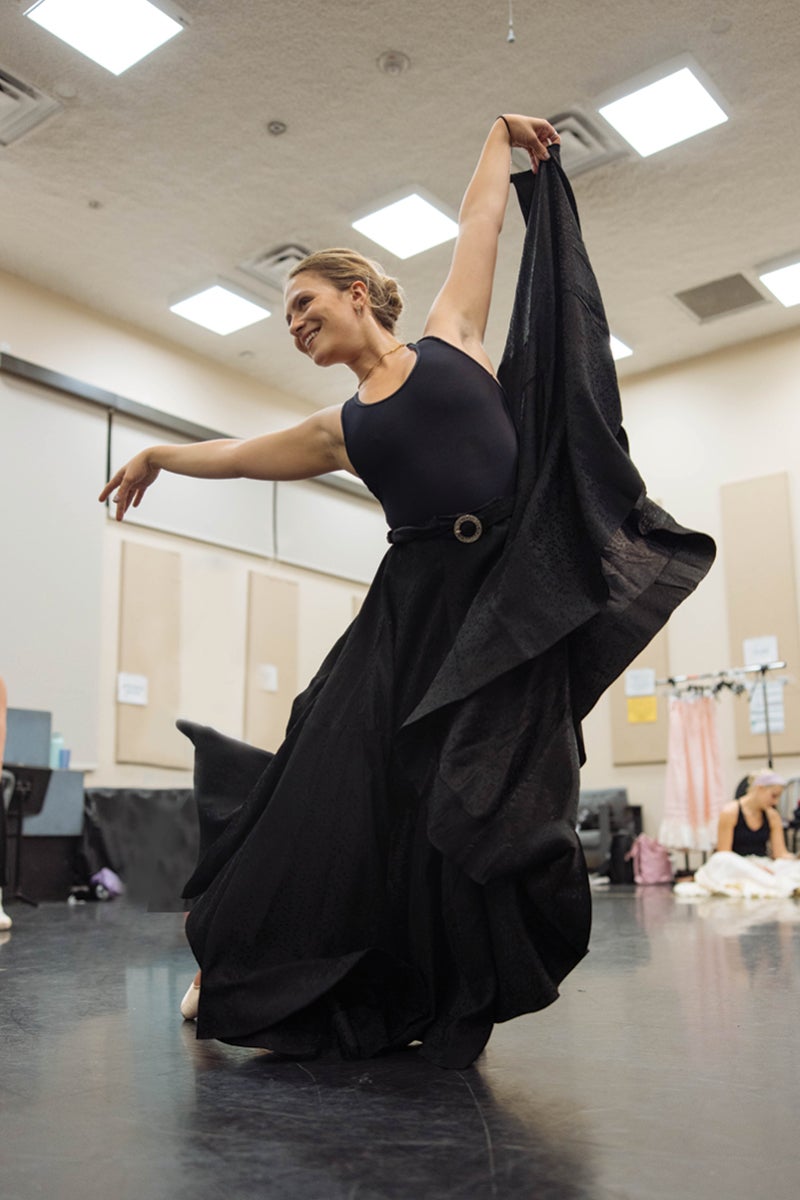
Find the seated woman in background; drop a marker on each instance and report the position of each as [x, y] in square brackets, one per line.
[751, 859]
[753, 825]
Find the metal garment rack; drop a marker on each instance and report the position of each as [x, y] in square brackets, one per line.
[727, 678]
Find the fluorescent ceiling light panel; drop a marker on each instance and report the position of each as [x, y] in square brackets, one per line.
[408, 226]
[114, 33]
[618, 348]
[665, 112]
[784, 284]
[220, 310]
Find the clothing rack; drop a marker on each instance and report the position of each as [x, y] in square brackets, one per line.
[730, 678]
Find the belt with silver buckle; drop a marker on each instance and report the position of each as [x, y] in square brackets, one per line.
[461, 528]
[464, 527]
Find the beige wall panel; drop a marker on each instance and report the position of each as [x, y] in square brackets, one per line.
[213, 638]
[272, 632]
[758, 547]
[149, 644]
[647, 742]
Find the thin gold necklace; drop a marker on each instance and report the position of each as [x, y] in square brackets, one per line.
[399, 346]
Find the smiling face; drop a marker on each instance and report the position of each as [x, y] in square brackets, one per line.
[323, 320]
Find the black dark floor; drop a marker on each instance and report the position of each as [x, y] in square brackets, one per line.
[669, 1068]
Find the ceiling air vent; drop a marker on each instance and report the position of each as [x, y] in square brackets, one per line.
[583, 146]
[720, 297]
[22, 107]
[273, 266]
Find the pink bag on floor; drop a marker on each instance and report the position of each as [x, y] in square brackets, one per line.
[651, 861]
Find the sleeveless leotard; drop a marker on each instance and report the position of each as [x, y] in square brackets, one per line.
[443, 443]
[750, 841]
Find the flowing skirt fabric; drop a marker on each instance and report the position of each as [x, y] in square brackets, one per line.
[405, 867]
[329, 921]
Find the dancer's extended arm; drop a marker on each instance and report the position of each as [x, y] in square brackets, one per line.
[311, 448]
[460, 311]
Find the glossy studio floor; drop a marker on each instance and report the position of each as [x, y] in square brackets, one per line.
[669, 1068]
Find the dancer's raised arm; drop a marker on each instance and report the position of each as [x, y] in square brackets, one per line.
[311, 448]
[461, 309]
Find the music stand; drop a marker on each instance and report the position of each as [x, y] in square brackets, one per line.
[27, 799]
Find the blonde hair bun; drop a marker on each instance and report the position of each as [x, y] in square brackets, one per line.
[343, 268]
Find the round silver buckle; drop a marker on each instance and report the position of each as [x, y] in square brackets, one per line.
[458, 525]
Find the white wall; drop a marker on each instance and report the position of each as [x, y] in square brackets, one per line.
[726, 417]
[212, 655]
[729, 416]
[55, 333]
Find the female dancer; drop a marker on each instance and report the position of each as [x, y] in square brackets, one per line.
[751, 859]
[404, 868]
[753, 824]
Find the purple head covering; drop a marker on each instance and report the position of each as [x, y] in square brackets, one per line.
[768, 779]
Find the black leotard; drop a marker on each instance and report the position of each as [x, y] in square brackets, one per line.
[750, 841]
[443, 443]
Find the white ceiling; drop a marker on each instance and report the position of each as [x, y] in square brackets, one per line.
[165, 177]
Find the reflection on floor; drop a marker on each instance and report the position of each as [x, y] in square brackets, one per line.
[667, 1068]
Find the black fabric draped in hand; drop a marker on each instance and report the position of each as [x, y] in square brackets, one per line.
[405, 866]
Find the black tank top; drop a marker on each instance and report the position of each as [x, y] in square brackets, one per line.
[750, 841]
[443, 443]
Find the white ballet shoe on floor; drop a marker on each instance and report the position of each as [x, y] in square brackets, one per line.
[5, 919]
[191, 1002]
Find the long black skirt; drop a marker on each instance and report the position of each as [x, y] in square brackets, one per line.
[405, 866]
[329, 920]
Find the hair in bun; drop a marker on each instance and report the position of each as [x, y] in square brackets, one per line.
[345, 267]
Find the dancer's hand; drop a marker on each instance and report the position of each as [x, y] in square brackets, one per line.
[130, 482]
[533, 134]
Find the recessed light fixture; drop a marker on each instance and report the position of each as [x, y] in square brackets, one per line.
[220, 309]
[408, 226]
[784, 283]
[663, 112]
[618, 348]
[114, 35]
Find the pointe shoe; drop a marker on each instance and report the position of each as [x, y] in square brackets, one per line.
[5, 919]
[190, 1002]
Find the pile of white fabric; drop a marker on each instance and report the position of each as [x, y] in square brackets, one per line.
[729, 874]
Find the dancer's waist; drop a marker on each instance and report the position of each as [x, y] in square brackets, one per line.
[464, 527]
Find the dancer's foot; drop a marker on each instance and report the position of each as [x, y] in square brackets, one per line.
[5, 919]
[191, 1001]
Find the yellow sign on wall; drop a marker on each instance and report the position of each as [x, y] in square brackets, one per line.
[642, 710]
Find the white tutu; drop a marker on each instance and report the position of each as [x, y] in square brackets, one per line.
[749, 877]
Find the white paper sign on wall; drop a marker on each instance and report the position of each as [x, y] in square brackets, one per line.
[267, 676]
[771, 715]
[640, 682]
[131, 689]
[760, 650]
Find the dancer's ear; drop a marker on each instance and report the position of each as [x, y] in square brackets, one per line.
[359, 293]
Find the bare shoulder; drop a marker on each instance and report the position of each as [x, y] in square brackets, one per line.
[730, 812]
[774, 817]
[329, 422]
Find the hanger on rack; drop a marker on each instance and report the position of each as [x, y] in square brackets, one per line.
[732, 678]
[729, 677]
